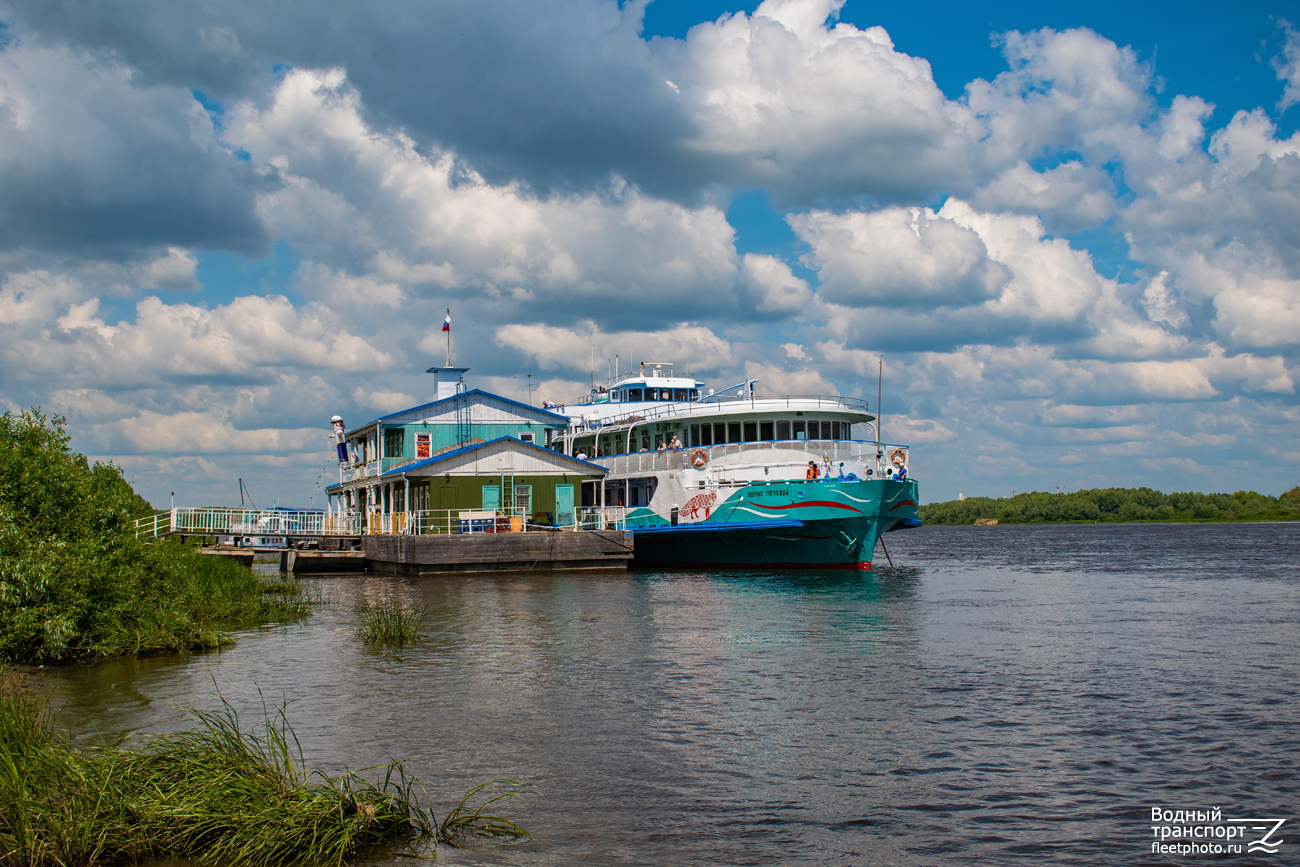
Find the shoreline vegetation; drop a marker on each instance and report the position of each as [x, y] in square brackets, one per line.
[76, 583]
[217, 794]
[1115, 505]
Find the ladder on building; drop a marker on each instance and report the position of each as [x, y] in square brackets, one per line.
[462, 417]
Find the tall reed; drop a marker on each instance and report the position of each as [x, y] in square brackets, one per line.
[217, 794]
[390, 624]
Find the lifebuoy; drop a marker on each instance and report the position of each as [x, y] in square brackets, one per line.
[898, 457]
[699, 458]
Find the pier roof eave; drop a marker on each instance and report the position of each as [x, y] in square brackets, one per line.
[470, 460]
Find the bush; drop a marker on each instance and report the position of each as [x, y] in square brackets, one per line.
[74, 579]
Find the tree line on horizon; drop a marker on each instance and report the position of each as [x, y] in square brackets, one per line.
[1115, 505]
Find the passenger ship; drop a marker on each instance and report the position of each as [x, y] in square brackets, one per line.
[730, 479]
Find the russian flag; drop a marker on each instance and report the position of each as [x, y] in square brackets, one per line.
[446, 323]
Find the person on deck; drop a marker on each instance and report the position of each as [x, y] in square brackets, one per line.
[676, 443]
[812, 470]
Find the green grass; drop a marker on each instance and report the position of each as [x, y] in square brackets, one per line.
[390, 624]
[217, 794]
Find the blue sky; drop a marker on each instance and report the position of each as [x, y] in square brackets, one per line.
[1072, 230]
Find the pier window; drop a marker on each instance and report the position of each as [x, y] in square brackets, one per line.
[783, 430]
[733, 431]
[799, 432]
[523, 499]
[751, 431]
[393, 443]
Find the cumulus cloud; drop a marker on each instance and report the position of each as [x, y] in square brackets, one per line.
[198, 433]
[692, 347]
[364, 199]
[1287, 66]
[898, 257]
[93, 159]
[241, 340]
[806, 108]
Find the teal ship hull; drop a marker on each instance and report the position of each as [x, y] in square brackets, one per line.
[813, 524]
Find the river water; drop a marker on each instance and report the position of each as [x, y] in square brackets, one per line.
[1001, 695]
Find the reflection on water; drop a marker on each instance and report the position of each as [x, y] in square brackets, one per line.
[1001, 693]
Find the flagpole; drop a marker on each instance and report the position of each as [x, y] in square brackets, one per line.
[449, 339]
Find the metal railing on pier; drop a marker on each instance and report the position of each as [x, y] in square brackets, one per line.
[215, 521]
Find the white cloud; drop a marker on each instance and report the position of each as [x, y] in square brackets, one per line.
[1288, 67]
[771, 287]
[783, 99]
[360, 199]
[383, 401]
[905, 257]
[199, 433]
[692, 347]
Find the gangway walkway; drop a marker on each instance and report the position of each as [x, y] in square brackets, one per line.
[215, 521]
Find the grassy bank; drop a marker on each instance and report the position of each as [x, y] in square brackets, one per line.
[74, 580]
[1116, 505]
[216, 794]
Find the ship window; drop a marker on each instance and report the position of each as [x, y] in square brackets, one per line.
[695, 435]
[706, 435]
[826, 430]
[765, 431]
[523, 438]
[835, 430]
[634, 394]
[719, 433]
[679, 394]
[751, 431]
[783, 430]
[733, 431]
[799, 430]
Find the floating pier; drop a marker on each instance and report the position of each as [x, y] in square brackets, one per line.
[414, 543]
[497, 552]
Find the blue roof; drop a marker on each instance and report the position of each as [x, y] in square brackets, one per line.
[406, 468]
[560, 419]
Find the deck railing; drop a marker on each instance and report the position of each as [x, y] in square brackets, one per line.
[709, 406]
[855, 452]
